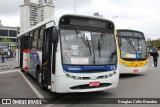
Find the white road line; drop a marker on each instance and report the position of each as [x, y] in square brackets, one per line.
[32, 87]
[154, 68]
[11, 71]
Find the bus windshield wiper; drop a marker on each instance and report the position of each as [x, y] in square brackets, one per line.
[138, 44]
[84, 40]
[131, 44]
[81, 36]
[100, 45]
[99, 48]
[89, 47]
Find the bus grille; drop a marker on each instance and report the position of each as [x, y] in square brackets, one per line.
[86, 86]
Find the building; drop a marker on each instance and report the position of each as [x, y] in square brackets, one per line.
[8, 37]
[34, 11]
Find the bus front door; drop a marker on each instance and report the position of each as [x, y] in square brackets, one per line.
[46, 58]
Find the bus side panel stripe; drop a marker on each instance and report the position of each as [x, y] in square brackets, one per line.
[26, 51]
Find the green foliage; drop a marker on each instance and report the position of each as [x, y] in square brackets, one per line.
[155, 43]
[6, 40]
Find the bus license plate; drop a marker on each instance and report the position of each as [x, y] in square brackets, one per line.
[94, 84]
[135, 71]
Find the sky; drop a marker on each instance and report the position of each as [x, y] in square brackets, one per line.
[141, 15]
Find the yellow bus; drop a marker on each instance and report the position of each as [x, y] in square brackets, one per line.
[133, 51]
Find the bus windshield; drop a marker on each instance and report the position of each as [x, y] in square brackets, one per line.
[133, 47]
[84, 47]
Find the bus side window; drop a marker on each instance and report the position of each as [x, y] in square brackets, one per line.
[34, 42]
[30, 40]
[17, 43]
[40, 39]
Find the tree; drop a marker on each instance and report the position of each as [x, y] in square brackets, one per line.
[155, 43]
[6, 40]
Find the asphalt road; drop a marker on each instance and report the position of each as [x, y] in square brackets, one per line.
[10, 64]
[147, 85]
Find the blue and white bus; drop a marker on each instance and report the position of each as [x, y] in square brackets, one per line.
[71, 53]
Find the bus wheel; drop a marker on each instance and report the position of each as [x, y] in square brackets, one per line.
[38, 79]
[22, 70]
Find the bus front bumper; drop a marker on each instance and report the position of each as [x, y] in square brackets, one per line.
[69, 85]
[137, 70]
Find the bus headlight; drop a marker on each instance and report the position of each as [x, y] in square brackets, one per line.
[89, 78]
[124, 64]
[146, 63]
[76, 78]
[107, 76]
[73, 77]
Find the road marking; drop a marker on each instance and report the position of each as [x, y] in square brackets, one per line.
[5, 72]
[32, 87]
[154, 68]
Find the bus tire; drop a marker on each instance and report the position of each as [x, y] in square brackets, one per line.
[38, 78]
[22, 70]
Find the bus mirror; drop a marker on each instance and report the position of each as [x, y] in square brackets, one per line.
[55, 34]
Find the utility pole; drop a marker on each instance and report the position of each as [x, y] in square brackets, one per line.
[74, 6]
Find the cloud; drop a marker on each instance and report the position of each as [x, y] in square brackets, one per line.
[13, 21]
[69, 4]
[137, 14]
[10, 7]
